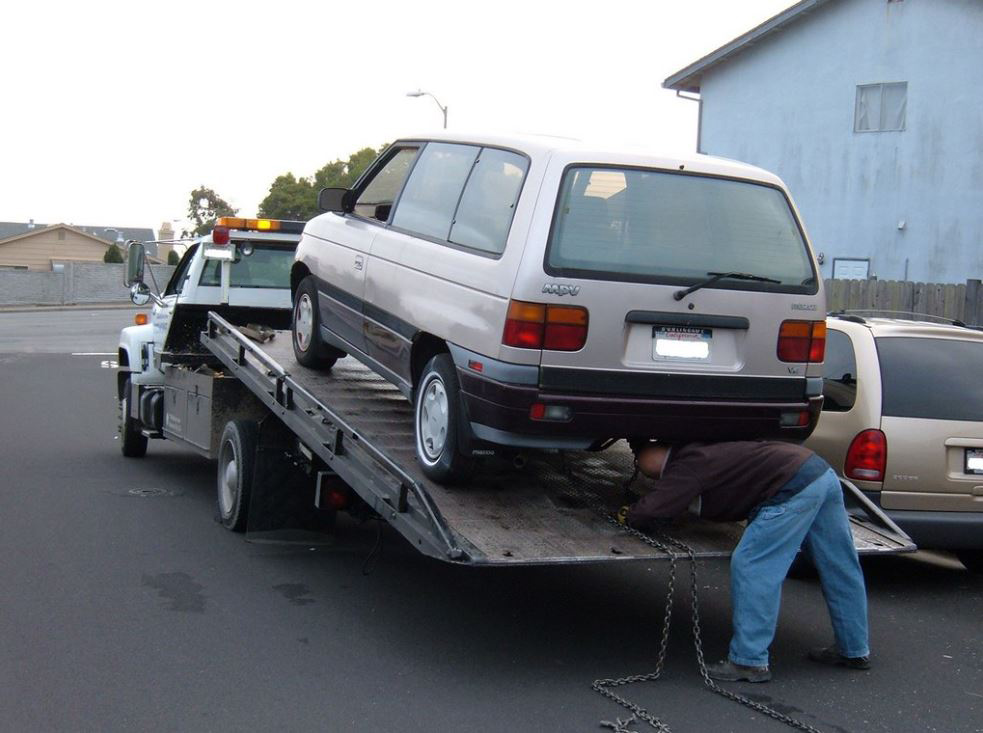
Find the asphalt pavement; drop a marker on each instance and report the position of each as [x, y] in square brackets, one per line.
[126, 607]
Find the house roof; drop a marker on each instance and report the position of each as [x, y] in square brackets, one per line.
[38, 229]
[107, 234]
[690, 78]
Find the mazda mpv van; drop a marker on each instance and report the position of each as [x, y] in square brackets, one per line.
[540, 293]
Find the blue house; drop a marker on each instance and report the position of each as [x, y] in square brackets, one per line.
[872, 113]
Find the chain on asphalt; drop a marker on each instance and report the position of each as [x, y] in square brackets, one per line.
[674, 549]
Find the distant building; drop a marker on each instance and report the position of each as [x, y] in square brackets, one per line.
[872, 113]
[33, 246]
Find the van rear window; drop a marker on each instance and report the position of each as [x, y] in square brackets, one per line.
[655, 226]
[936, 379]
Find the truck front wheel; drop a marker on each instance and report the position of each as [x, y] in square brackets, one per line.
[132, 442]
[236, 473]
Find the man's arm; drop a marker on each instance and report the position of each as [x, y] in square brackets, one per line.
[670, 498]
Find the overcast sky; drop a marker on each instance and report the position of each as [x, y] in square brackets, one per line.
[113, 112]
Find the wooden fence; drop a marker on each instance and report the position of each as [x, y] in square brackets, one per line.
[962, 302]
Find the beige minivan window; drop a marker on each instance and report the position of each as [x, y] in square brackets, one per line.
[656, 226]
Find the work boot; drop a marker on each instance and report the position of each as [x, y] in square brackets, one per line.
[727, 671]
[831, 655]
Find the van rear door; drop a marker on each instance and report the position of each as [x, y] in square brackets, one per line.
[687, 280]
[933, 421]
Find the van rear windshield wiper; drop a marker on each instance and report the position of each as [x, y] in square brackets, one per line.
[715, 276]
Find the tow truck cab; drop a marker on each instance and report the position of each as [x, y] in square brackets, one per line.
[240, 270]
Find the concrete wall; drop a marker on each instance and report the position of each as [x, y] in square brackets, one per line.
[79, 282]
[787, 105]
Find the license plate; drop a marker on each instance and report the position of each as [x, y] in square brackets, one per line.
[974, 460]
[681, 342]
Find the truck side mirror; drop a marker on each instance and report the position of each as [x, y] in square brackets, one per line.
[334, 199]
[136, 255]
[139, 294]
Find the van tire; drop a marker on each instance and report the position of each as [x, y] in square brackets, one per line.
[972, 560]
[436, 422]
[305, 329]
[132, 442]
[236, 473]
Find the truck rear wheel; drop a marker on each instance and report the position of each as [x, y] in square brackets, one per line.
[309, 349]
[236, 473]
[437, 411]
[132, 442]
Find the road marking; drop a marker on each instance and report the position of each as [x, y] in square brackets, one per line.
[109, 365]
[93, 353]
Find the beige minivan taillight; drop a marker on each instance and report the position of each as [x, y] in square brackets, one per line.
[802, 341]
[867, 457]
[541, 326]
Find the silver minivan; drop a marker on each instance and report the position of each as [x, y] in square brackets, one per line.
[537, 293]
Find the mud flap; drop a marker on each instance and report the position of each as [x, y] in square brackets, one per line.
[282, 502]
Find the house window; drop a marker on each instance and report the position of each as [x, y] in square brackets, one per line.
[61, 235]
[881, 107]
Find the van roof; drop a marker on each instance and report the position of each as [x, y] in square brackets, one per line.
[591, 152]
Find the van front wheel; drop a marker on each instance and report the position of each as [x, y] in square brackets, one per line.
[309, 349]
[437, 413]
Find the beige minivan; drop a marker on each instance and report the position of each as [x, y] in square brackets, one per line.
[903, 420]
[532, 292]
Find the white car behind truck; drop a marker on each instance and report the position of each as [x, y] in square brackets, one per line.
[240, 270]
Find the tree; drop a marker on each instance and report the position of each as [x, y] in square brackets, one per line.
[112, 254]
[172, 258]
[289, 198]
[296, 198]
[204, 207]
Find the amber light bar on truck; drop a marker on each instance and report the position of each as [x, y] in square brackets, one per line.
[220, 232]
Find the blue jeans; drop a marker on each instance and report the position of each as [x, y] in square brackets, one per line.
[816, 519]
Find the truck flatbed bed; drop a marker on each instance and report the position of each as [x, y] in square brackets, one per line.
[362, 428]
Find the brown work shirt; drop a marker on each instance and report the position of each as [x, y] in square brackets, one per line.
[731, 480]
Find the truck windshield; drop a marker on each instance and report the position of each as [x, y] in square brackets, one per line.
[646, 225]
[936, 379]
[266, 267]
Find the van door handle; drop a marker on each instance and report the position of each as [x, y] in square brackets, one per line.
[359, 262]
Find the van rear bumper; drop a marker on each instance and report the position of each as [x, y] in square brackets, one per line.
[503, 409]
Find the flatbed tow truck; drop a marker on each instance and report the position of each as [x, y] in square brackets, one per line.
[290, 438]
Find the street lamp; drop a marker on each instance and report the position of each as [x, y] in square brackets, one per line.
[421, 93]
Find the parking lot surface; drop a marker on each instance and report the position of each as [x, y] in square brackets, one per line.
[127, 607]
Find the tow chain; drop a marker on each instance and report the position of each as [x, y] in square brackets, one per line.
[674, 549]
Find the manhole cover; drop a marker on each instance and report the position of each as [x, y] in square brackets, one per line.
[150, 492]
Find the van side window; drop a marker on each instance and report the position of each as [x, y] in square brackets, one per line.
[485, 213]
[434, 189]
[839, 373]
[376, 199]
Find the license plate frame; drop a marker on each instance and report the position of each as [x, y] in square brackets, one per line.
[682, 343]
[974, 461]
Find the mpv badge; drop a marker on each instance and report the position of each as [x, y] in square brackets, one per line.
[804, 306]
[557, 289]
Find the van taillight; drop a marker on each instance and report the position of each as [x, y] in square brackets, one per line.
[866, 459]
[802, 341]
[540, 326]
